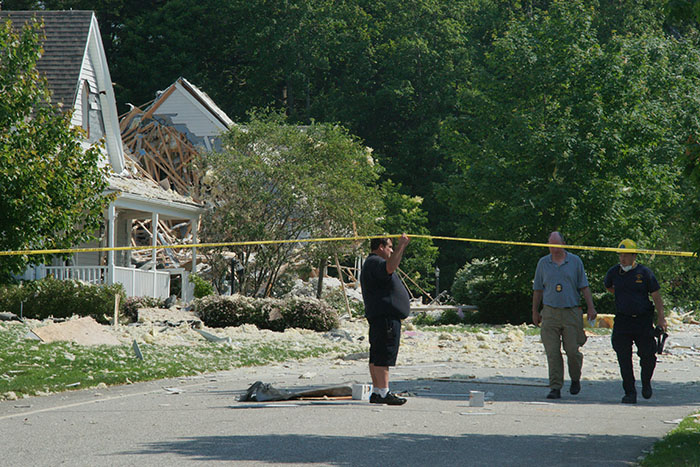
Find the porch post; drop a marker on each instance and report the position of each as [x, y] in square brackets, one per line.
[195, 227]
[129, 234]
[154, 233]
[111, 238]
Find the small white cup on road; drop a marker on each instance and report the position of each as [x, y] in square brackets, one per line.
[476, 399]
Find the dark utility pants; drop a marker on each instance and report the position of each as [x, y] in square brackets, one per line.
[639, 331]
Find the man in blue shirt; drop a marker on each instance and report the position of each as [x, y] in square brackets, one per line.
[559, 278]
[632, 284]
[386, 304]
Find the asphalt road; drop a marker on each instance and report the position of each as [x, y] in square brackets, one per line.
[198, 420]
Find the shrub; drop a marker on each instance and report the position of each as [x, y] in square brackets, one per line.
[268, 313]
[61, 299]
[130, 306]
[310, 313]
[482, 283]
[219, 311]
[271, 314]
[425, 319]
[202, 287]
[444, 318]
[11, 298]
[454, 317]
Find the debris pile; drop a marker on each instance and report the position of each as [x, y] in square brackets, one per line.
[499, 348]
[163, 152]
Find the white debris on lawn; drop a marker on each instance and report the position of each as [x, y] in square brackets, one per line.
[308, 289]
[501, 347]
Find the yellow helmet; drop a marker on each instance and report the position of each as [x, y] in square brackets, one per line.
[627, 244]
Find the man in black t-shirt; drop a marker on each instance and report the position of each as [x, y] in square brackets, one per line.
[386, 304]
[632, 284]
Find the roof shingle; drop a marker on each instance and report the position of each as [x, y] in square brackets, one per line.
[66, 39]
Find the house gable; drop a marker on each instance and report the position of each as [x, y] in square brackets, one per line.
[191, 111]
[76, 70]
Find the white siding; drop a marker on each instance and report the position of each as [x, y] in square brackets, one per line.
[88, 258]
[87, 73]
[183, 110]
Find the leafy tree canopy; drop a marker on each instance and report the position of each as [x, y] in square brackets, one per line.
[280, 181]
[562, 127]
[50, 188]
[404, 214]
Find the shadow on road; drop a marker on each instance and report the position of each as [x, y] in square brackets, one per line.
[399, 449]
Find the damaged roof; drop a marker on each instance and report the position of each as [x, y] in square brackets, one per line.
[132, 182]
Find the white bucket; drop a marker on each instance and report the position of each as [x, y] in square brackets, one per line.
[361, 392]
[476, 399]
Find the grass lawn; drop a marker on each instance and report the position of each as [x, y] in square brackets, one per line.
[680, 447]
[29, 367]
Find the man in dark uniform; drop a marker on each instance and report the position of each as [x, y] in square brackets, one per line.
[386, 304]
[632, 284]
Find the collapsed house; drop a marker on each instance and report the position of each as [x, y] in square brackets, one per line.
[164, 138]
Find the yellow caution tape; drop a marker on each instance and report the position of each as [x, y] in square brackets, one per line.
[568, 247]
[339, 239]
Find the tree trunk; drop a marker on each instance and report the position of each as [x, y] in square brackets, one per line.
[321, 273]
[342, 285]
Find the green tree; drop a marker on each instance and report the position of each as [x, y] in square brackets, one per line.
[279, 181]
[50, 188]
[561, 130]
[404, 214]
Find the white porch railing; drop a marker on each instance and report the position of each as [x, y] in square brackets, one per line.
[143, 283]
[136, 282]
[90, 274]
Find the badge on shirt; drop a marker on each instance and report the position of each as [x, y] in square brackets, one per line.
[558, 288]
[639, 279]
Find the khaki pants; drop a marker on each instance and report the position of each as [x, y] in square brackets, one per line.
[562, 326]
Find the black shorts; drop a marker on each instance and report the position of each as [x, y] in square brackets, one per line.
[384, 337]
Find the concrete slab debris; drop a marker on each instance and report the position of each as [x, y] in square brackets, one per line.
[357, 356]
[213, 338]
[31, 335]
[83, 331]
[137, 350]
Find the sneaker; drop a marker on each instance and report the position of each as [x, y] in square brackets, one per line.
[575, 387]
[554, 394]
[390, 399]
[630, 398]
[646, 390]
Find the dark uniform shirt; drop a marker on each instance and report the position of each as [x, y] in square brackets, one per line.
[383, 293]
[632, 289]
